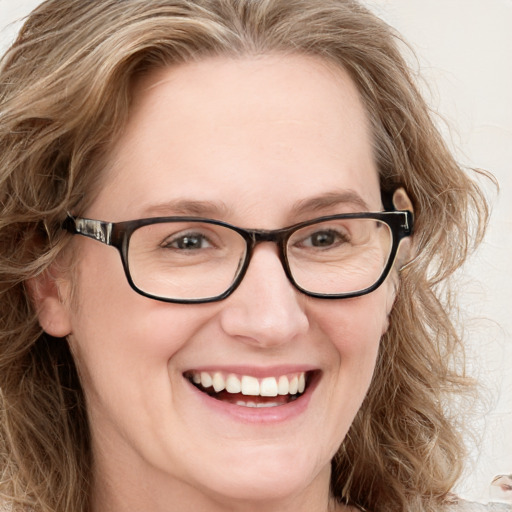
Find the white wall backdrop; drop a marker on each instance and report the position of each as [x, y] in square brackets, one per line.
[465, 52]
[464, 49]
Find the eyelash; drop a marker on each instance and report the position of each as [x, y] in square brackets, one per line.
[339, 236]
[168, 244]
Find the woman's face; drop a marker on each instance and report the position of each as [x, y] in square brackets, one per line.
[260, 143]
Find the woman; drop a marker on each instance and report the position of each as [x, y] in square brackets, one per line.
[270, 333]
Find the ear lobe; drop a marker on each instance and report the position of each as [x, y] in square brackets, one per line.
[46, 292]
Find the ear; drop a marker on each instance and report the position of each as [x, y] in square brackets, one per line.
[401, 201]
[49, 294]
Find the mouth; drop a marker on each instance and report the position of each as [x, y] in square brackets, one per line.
[250, 391]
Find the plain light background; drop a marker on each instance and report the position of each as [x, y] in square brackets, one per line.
[464, 52]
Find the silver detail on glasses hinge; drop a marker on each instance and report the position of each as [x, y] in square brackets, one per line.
[98, 230]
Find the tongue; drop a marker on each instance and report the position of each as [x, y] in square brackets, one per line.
[238, 397]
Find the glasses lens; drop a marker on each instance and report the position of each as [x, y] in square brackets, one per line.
[185, 260]
[339, 256]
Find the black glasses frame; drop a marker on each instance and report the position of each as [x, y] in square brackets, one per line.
[117, 234]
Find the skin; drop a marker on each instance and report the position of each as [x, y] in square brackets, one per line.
[256, 137]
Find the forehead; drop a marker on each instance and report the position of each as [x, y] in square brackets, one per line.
[241, 132]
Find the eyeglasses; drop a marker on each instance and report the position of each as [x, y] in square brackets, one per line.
[194, 260]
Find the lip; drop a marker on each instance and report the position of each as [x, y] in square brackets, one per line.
[263, 415]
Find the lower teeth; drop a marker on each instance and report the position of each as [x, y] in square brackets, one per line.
[252, 404]
[248, 403]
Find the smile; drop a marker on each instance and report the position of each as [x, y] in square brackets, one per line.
[250, 391]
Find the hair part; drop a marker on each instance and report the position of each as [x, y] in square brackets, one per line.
[65, 94]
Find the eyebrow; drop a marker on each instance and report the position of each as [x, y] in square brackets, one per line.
[330, 200]
[218, 209]
[188, 207]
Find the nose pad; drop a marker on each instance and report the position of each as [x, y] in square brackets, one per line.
[266, 309]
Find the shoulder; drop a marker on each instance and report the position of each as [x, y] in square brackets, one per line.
[468, 506]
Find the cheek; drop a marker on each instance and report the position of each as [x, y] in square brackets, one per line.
[122, 342]
[354, 328]
[356, 325]
[126, 339]
[109, 314]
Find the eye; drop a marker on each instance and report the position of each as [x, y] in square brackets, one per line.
[187, 242]
[323, 239]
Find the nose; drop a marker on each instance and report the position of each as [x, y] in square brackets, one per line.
[265, 310]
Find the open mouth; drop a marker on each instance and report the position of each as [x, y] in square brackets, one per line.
[249, 391]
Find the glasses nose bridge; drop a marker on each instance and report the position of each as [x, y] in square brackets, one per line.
[278, 237]
[275, 236]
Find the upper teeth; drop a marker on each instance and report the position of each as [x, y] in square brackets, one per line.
[251, 386]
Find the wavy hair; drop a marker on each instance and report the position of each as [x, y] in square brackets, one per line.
[65, 93]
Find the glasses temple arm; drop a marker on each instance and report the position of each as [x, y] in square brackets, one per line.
[95, 229]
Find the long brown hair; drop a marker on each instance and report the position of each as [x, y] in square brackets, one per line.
[65, 91]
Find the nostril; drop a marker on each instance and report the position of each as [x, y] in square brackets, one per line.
[263, 324]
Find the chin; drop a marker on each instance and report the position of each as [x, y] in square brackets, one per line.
[267, 476]
[246, 486]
